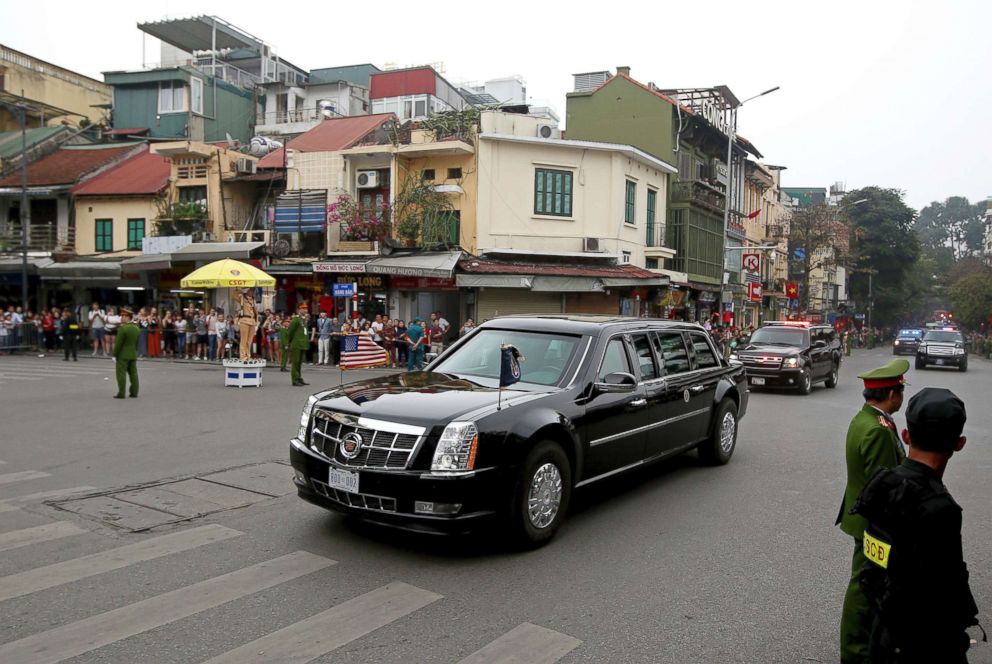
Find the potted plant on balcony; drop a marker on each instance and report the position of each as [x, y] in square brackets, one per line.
[361, 226]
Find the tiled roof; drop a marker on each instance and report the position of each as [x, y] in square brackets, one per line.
[68, 165]
[144, 174]
[487, 266]
[329, 136]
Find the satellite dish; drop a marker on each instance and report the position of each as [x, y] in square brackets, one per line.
[259, 146]
[327, 108]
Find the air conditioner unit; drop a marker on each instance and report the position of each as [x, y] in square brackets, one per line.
[368, 179]
[246, 165]
[591, 244]
[204, 236]
[548, 131]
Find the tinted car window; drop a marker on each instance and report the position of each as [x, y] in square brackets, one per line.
[545, 356]
[705, 358]
[944, 336]
[645, 358]
[779, 336]
[615, 359]
[672, 350]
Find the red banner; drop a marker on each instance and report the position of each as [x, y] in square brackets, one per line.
[792, 290]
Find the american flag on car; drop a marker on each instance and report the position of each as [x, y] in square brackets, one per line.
[358, 351]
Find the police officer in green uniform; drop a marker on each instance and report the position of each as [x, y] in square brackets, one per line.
[283, 344]
[299, 342]
[126, 354]
[916, 578]
[872, 443]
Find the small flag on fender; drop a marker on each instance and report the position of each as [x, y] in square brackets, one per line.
[509, 368]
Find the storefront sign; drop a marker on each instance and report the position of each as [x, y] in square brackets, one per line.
[364, 281]
[754, 292]
[405, 271]
[339, 267]
[751, 262]
[422, 283]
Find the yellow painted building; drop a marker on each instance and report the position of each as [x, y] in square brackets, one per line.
[117, 208]
[208, 175]
[53, 93]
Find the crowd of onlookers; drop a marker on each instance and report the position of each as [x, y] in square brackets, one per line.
[208, 334]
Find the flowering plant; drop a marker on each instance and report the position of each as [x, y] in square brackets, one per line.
[359, 222]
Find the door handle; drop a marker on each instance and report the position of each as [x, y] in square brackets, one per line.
[638, 403]
[696, 389]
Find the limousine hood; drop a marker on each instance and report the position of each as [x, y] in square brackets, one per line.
[423, 398]
[773, 350]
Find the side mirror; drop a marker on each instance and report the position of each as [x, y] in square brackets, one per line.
[618, 381]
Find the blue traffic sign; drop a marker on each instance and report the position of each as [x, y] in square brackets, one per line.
[343, 290]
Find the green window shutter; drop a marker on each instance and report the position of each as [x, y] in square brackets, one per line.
[629, 209]
[553, 192]
[104, 235]
[135, 232]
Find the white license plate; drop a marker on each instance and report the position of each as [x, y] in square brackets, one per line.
[344, 480]
[757, 381]
[940, 361]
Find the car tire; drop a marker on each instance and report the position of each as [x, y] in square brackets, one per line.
[545, 477]
[963, 367]
[833, 377]
[920, 364]
[805, 382]
[719, 447]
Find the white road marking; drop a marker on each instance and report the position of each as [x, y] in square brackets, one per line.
[525, 643]
[102, 629]
[22, 476]
[320, 634]
[15, 503]
[50, 531]
[41, 578]
[7, 376]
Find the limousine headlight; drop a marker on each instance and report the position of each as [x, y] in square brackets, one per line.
[457, 447]
[305, 417]
[790, 362]
[959, 351]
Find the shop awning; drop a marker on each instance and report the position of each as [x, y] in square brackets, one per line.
[568, 284]
[492, 281]
[215, 251]
[439, 264]
[81, 270]
[147, 262]
[12, 264]
[660, 280]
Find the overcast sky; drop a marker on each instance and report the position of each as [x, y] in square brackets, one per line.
[895, 94]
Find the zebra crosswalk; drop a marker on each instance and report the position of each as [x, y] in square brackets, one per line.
[26, 369]
[326, 629]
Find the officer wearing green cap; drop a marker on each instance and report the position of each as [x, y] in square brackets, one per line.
[916, 578]
[872, 443]
[126, 354]
[299, 341]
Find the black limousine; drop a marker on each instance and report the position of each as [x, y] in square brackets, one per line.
[445, 450]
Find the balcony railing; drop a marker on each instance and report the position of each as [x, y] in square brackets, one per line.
[655, 235]
[296, 115]
[41, 237]
[698, 193]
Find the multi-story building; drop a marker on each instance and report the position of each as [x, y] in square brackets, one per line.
[825, 289]
[287, 110]
[686, 128]
[414, 93]
[203, 86]
[50, 94]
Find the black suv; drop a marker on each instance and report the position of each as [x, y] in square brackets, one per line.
[907, 341]
[791, 354]
[944, 348]
[444, 450]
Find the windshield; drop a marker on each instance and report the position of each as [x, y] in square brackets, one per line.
[941, 335]
[911, 333]
[779, 336]
[543, 361]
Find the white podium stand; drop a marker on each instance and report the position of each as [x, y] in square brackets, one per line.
[243, 373]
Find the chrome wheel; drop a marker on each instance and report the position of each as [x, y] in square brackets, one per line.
[728, 430]
[544, 497]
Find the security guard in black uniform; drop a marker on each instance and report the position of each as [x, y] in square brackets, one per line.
[915, 576]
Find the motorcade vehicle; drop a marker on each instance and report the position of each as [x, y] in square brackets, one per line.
[447, 450]
[791, 354]
[943, 348]
[907, 341]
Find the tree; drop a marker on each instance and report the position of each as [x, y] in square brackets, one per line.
[971, 297]
[955, 223]
[886, 248]
[814, 236]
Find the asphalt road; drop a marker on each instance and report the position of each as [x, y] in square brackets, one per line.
[677, 563]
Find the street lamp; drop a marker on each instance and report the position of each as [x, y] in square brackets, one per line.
[731, 136]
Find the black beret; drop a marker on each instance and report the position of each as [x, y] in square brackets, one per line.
[935, 408]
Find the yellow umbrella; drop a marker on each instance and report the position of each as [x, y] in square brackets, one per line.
[228, 273]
